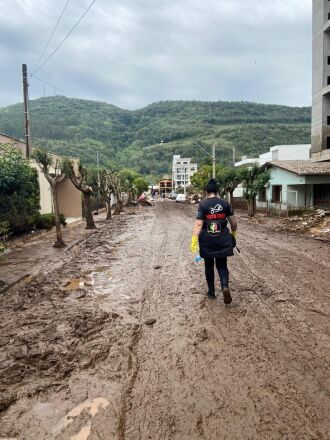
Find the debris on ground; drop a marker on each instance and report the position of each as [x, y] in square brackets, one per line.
[316, 223]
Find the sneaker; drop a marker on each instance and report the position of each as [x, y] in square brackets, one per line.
[227, 299]
[211, 295]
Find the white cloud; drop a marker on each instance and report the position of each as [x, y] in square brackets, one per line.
[131, 53]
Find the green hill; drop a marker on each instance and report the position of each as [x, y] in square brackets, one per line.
[146, 139]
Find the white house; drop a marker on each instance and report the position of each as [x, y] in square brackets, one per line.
[296, 184]
[278, 152]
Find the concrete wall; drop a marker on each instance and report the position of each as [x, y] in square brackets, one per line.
[69, 199]
[46, 204]
[18, 145]
[321, 71]
[291, 152]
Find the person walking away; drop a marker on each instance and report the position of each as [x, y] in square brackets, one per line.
[212, 238]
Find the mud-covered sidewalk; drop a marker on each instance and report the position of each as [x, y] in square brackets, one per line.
[119, 341]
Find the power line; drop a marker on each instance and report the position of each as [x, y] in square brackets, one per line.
[57, 47]
[51, 35]
[51, 85]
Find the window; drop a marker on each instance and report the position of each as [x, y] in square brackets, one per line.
[328, 60]
[328, 142]
[276, 193]
[328, 81]
[321, 194]
[328, 15]
[328, 120]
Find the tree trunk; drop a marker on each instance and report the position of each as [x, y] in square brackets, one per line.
[129, 198]
[119, 204]
[88, 211]
[108, 207]
[59, 240]
[231, 197]
[251, 206]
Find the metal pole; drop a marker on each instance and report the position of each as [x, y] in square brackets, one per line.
[234, 155]
[26, 110]
[98, 181]
[213, 160]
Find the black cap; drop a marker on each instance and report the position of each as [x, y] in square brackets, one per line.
[212, 186]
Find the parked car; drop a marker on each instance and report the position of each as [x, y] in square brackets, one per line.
[181, 198]
[173, 195]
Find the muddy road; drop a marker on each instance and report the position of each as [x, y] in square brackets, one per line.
[120, 342]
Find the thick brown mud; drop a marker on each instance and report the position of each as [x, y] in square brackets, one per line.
[120, 342]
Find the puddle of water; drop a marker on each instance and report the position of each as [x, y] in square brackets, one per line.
[93, 407]
[101, 281]
[84, 433]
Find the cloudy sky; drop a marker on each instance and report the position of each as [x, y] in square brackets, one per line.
[134, 52]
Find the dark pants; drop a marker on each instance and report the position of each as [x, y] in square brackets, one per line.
[221, 264]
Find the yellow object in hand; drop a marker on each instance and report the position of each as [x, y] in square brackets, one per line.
[194, 244]
[234, 234]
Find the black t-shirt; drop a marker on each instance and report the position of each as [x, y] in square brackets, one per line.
[214, 211]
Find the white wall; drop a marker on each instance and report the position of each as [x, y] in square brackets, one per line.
[290, 152]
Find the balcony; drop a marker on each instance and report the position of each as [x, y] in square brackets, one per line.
[326, 27]
[326, 90]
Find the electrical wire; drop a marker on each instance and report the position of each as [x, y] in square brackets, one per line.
[51, 35]
[50, 85]
[57, 47]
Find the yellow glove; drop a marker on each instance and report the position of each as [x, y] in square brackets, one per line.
[194, 244]
[234, 234]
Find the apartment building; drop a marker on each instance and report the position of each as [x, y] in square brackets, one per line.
[182, 170]
[321, 81]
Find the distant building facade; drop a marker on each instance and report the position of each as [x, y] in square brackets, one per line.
[321, 81]
[182, 171]
[165, 186]
[279, 152]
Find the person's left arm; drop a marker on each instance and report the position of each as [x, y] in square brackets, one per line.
[232, 220]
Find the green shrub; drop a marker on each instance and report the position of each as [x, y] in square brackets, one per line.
[19, 191]
[47, 221]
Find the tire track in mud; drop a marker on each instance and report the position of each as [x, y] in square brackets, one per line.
[150, 280]
[257, 393]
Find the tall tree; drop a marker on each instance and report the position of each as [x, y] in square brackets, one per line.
[51, 167]
[81, 176]
[128, 177]
[254, 180]
[141, 185]
[228, 179]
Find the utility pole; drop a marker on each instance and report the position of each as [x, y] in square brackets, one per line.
[213, 160]
[234, 155]
[26, 111]
[98, 181]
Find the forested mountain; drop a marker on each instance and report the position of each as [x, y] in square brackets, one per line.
[146, 139]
